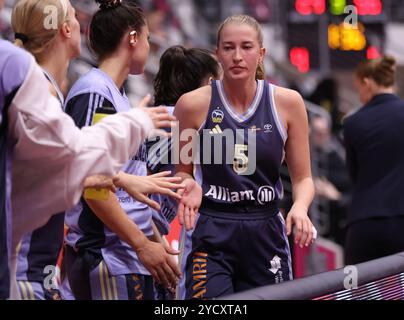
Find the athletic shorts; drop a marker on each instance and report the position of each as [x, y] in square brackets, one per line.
[228, 253]
[90, 279]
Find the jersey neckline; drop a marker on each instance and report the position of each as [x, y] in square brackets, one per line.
[251, 109]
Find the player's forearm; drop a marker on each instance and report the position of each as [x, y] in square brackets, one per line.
[115, 218]
[127, 129]
[303, 193]
[156, 234]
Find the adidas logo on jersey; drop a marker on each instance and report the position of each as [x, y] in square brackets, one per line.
[216, 130]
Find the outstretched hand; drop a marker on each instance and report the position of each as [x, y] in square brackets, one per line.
[189, 204]
[160, 117]
[138, 187]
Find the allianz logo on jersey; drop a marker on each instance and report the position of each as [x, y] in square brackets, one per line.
[265, 194]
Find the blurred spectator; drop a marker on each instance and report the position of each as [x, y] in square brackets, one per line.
[80, 66]
[165, 30]
[5, 22]
[260, 10]
[331, 180]
[374, 140]
[326, 95]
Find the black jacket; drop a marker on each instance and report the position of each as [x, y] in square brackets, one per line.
[374, 141]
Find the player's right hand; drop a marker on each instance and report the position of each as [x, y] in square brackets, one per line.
[160, 264]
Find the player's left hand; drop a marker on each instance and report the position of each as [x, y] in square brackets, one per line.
[139, 187]
[304, 233]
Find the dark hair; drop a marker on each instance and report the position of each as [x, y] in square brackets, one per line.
[381, 70]
[111, 22]
[182, 70]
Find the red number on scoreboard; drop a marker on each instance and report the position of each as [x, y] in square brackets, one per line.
[368, 7]
[300, 58]
[306, 7]
[372, 53]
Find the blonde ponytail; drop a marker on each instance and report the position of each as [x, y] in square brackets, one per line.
[260, 73]
[19, 43]
[28, 21]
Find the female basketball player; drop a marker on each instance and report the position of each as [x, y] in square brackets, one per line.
[53, 49]
[181, 70]
[239, 239]
[42, 158]
[99, 265]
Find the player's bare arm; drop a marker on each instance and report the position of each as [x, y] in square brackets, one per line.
[293, 113]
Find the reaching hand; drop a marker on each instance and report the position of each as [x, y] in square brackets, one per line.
[160, 264]
[138, 187]
[189, 204]
[160, 116]
[304, 228]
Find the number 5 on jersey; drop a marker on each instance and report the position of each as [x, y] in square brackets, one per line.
[240, 163]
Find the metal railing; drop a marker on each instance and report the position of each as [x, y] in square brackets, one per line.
[380, 279]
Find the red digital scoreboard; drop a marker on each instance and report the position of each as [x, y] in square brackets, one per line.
[337, 7]
[334, 34]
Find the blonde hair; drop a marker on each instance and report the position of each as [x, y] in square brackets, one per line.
[28, 19]
[250, 21]
[381, 70]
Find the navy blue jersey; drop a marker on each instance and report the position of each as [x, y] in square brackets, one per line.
[158, 160]
[241, 155]
[93, 94]
[14, 65]
[159, 151]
